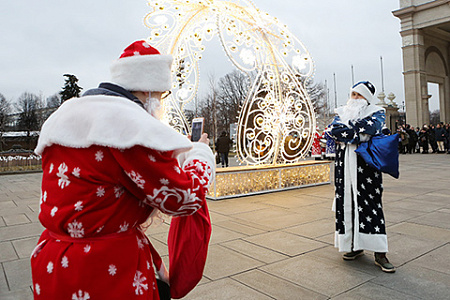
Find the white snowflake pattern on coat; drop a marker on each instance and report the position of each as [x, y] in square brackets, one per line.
[76, 172]
[139, 284]
[112, 270]
[65, 262]
[75, 229]
[78, 206]
[118, 191]
[53, 211]
[87, 248]
[100, 191]
[123, 227]
[63, 178]
[50, 170]
[152, 158]
[99, 155]
[137, 179]
[81, 295]
[49, 267]
[37, 288]
[164, 181]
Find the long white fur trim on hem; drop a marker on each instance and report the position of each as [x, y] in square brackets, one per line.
[108, 121]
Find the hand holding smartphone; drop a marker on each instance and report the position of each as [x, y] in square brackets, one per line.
[197, 129]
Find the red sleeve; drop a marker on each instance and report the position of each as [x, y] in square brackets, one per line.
[165, 185]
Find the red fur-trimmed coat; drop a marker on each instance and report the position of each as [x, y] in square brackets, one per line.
[97, 190]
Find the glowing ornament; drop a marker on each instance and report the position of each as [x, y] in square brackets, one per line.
[277, 122]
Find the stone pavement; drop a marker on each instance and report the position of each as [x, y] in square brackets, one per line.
[280, 245]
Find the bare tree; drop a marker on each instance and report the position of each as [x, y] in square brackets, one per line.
[5, 110]
[233, 90]
[29, 107]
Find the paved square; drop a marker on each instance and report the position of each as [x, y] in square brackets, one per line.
[280, 245]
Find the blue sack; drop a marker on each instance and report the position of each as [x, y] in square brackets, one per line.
[381, 153]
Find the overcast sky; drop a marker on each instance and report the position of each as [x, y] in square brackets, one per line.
[42, 40]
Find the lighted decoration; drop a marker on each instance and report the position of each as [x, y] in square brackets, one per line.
[277, 121]
[251, 180]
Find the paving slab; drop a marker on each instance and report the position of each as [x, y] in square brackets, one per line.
[417, 282]
[223, 262]
[276, 287]
[317, 275]
[226, 289]
[421, 231]
[371, 291]
[254, 251]
[20, 294]
[437, 260]
[285, 242]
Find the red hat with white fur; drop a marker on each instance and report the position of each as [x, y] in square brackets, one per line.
[142, 68]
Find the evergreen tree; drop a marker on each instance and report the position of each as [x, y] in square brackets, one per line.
[70, 88]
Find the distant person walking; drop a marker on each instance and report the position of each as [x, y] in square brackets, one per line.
[223, 145]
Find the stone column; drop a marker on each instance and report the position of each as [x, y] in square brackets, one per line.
[415, 78]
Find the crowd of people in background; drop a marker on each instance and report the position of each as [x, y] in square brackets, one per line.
[428, 139]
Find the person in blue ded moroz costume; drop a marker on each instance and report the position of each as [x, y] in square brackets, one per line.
[360, 222]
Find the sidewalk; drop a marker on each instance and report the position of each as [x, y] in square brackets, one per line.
[280, 245]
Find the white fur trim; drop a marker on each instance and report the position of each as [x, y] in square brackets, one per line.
[108, 121]
[363, 91]
[201, 152]
[145, 73]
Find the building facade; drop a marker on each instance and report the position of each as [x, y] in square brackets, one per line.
[425, 31]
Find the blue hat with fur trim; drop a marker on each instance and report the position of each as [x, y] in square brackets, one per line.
[365, 89]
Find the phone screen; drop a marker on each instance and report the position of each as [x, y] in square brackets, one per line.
[197, 129]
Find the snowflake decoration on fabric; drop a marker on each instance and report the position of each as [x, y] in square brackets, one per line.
[139, 243]
[137, 179]
[100, 191]
[139, 284]
[112, 270]
[123, 227]
[87, 248]
[53, 211]
[65, 262]
[118, 191]
[50, 170]
[177, 169]
[76, 172]
[78, 206]
[152, 158]
[44, 196]
[76, 229]
[99, 155]
[37, 288]
[164, 181]
[50, 267]
[63, 178]
[81, 295]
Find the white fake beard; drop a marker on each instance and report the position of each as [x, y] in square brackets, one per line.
[153, 106]
[353, 110]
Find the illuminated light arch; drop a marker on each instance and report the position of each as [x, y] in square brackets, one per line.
[277, 120]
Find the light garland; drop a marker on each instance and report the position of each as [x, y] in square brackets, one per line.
[277, 122]
[243, 181]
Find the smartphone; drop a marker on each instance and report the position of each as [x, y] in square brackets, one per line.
[197, 129]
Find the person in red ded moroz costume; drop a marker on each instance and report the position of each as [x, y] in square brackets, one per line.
[108, 165]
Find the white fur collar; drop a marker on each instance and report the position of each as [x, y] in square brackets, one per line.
[108, 121]
[368, 110]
